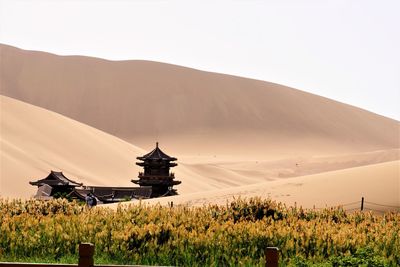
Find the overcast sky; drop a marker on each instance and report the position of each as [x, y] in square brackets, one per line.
[345, 50]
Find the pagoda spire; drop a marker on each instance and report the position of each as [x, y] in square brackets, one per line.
[156, 165]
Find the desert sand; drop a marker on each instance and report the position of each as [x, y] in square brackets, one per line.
[34, 141]
[91, 118]
[193, 112]
[379, 184]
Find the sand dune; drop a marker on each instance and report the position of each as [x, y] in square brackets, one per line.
[227, 132]
[34, 141]
[378, 183]
[194, 112]
[259, 169]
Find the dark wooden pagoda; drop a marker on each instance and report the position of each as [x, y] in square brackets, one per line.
[55, 184]
[156, 173]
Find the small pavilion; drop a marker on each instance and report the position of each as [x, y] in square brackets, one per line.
[156, 173]
[55, 184]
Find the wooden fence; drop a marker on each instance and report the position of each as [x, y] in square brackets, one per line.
[86, 253]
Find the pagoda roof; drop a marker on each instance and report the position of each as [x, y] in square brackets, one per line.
[56, 179]
[156, 154]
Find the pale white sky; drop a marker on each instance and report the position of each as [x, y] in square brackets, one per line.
[343, 49]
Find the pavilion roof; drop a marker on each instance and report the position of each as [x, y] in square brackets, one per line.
[56, 179]
[156, 153]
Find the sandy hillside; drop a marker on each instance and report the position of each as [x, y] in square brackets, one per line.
[195, 113]
[379, 184]
[33, 141]
[227, 132]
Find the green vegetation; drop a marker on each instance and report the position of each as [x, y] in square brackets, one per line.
[237, 234]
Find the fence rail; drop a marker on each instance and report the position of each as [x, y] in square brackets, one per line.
[86, 253]
[363, 205]
[21, 264]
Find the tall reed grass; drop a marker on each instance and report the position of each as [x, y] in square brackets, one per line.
[235, 234]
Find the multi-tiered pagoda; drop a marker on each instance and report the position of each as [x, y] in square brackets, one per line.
[156, 173]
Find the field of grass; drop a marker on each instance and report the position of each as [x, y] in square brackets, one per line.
[232, 235]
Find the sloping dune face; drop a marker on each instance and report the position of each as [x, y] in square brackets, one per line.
[34, 141]
[194, 112]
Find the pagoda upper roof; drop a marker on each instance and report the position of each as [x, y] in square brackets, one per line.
[156, 154]
[56, 178]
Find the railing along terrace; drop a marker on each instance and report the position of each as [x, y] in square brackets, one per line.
[170, 175]
[86, 253]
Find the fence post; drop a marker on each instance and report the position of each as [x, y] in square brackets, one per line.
[272, 257]
[362, 203]
[86, 252]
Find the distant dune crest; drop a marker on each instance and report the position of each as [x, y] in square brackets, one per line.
[141, 101]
